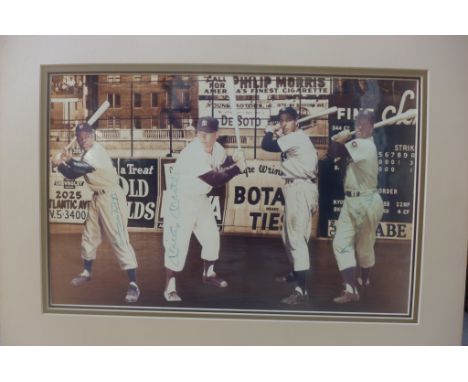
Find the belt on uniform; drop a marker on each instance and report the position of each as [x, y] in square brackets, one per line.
[353, 194]
[291, 180]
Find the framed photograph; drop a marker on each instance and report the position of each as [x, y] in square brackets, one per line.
[233, 191]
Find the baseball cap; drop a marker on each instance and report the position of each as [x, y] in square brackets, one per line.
[288, 110]
[83, 127]
[207, 124]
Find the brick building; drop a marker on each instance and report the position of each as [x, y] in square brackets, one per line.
[151, 101]
[162, 109]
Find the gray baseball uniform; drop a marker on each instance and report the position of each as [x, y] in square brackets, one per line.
[362, 209]
[108, 209]
[299, 164]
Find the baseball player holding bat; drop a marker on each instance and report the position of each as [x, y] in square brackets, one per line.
[107, 210]
[299, 165]
[362, 210]
[202, 165]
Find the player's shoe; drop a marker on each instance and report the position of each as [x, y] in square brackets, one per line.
[215, 280]
[350, 294]
[289, 278]
[362, 283]
[172, 296]
[82, 278]
[133, 292]
[296, 298]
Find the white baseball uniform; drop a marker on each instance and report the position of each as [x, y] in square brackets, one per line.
[189, 208]
[299, 164]
[362, 209]
[107, 210]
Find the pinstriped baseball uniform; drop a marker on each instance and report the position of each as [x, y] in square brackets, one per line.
[362, 209]
[189, 208]
[299, 164]
[107, 210]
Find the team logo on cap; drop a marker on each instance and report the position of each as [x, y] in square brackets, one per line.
[204, 123]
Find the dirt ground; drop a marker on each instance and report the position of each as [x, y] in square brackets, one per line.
[249, 264]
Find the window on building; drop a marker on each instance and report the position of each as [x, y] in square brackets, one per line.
[155, 122]
[137, 122]
[186, 99]
[113, 78]
[154, 78]
[137, 77]
[113, 123]
[114, 100]
[137, 100]
[154, 99]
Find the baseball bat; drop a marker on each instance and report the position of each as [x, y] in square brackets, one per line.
[69, 146]
[318, 114]
[97, 114]
[410, 113]
[232, 104]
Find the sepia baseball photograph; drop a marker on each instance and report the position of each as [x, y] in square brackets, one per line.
[233, 191]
